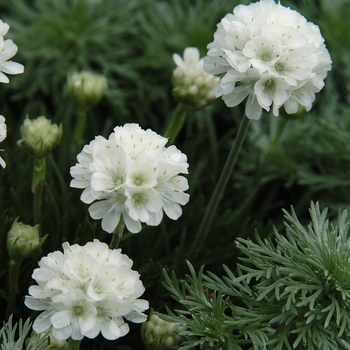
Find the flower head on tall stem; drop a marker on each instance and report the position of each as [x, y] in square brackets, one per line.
[269, 54]
[86, 290]
[133, 176]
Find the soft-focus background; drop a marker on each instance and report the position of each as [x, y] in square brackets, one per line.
[132, 42]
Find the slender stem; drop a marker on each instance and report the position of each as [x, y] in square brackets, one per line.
[221, 184]
[39, 173]
[73, 344]
[14, 277]
[280, 128]
[80, 125]
[176, 123]
[117, 235]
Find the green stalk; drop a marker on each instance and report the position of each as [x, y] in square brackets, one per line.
[117, 235]
[39, 172]
[176, 123]
[221, 185]
[280, 128]
[80, 124]
[14, 277]
[73, 344]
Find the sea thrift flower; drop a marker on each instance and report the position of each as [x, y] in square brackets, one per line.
[7, 50]
[86, 290]
[157, 333]
[269, 54]
[3, 134]
[87, 88]
[39, 136]
[23, 241]
[133, 176]
[192, 85]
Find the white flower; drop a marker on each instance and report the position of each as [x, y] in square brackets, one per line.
[270, 54]
[131, 176]
[86, 290]
[192, 85]
[7, 50]
[3, 132]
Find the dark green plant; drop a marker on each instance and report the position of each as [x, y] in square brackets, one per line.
[292, 292]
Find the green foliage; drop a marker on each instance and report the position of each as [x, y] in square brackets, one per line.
[8, 335]
[131, 43]
[292, 292]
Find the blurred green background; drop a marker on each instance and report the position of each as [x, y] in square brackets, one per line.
[131, 42]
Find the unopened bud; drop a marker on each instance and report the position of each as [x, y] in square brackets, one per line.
[23, 241]
[39, 136]
[158, 334]
[192, 86]
[87, 88]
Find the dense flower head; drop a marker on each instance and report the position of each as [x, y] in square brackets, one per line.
[86, 290]
[192, 86]
[87, 88]
[157, 333]
[39, 136]
[7, 50]
[131, 176]
[3, 134]
[269, 54]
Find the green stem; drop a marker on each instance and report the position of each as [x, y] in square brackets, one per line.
[117, 235]
[39, 173]
[221, 185]
[280, 128]
[73, 344]
[176, 123]
[14, 277]
[80, 125]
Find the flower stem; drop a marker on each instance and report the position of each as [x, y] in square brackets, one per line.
[73, 344]
[80, 125]
[39, 172]
[221, 185]
[14, 266]
[176, 123]
[117, 235]
[280, 128]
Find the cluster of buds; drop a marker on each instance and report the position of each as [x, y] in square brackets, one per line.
[192, 86]
[39, 136]
[86, 88]
[158, 334]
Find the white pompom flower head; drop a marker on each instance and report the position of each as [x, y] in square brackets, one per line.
[131, 176]
[270, 55]
[85, 291]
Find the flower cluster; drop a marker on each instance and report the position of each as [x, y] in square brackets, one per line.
[157, 333]
[192, 85]
[86, 88]
[39, 136]
[86, 290]
[7, 50]
[131, 176]
[270, 54]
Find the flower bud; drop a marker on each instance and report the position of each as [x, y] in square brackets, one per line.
[23, 241]
[192, 86]
[158, 334]
[86, 88]
[39, 136]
